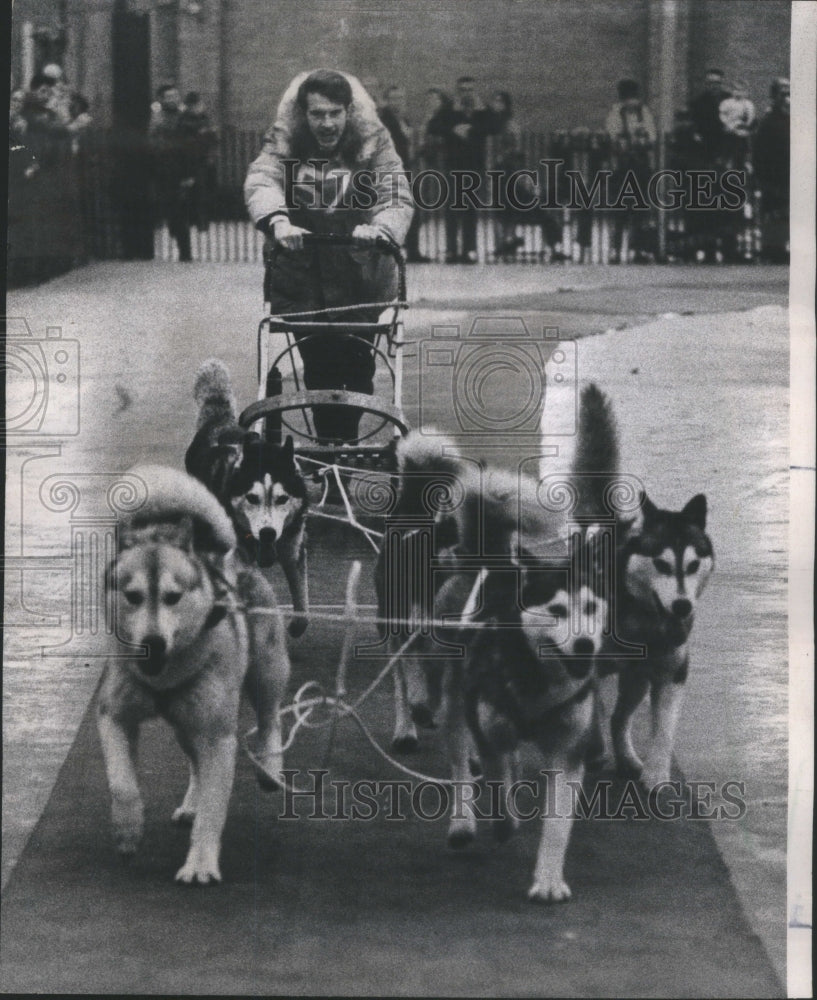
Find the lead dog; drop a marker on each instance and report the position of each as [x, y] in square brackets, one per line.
[176, 591]
[663, 562]
[257, 482]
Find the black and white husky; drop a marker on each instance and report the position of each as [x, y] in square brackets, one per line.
[663, 561]
[525, 618]
[257, 482]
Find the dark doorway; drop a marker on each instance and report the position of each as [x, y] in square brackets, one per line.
[131, 114]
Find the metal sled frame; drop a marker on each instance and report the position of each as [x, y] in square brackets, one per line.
[332, 463]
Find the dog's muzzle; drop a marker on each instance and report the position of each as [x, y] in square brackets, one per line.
[156, 658]
[265, 548]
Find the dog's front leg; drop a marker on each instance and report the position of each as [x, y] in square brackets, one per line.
[405, 738]
[214, 762]
[462, 828]
[294, 564]
[549, 885]
[632, 686]
[118, 738]
[666, 696]
[186, 812]
[266, 685]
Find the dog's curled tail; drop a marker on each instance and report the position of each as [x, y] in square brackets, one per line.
[213, 391]
[596, 461]
[427, 462]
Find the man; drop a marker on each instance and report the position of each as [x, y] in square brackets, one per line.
[705, 113]
[393, 116]
[326, 140]
[709, 228]
[463, 127]
[772, 162]
[632, 132]
[173, 167]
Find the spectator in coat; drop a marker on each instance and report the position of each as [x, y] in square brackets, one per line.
[704, 110]
[631, 128]
[195, 125]
[463, 129]
[173, 167]
[739, 119]
[431, 145]
[392, 114]
[772, 163]
[707, 226]
[327, 131]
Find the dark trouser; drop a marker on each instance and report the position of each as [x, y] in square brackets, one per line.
[464, 220]
[333, 360]
[175, 208]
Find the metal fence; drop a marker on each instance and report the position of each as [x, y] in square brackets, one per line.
[93, 199]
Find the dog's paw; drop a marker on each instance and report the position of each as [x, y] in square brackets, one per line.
[184, 815]
[201, 867]
[298, 626]
[503, 829]
[461, 831]
[405, 745]
[549, 891]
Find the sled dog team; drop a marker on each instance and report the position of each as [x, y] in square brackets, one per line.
[532, 622]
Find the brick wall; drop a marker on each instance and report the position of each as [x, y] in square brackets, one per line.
[560, 60]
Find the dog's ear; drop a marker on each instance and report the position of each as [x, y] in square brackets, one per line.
[695, 511]
[635, 524]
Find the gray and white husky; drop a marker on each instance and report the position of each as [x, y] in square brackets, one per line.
[257, 482]
[663, 561]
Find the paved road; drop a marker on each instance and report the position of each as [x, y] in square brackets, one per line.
[696, 361]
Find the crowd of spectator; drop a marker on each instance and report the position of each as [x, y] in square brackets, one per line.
[46, 126]
[719, 131]
[461, 131]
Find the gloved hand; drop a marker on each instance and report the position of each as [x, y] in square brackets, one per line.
[287, 236]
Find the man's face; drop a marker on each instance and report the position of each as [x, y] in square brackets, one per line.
[783, 99]
[466, 91]
[171, 99]
[326, 121]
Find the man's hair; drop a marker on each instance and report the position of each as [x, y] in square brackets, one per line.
[193, 97]
[627, 89]
[160, 93]
[38, 80]
[715, 72]
[329, 84]
[465, 79]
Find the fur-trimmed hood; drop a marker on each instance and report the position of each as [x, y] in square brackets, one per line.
[363, 118]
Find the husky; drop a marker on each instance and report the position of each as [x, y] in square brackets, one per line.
[425, 466]
[257, 482]
[663, 561]
[176, 591]
[526, 618]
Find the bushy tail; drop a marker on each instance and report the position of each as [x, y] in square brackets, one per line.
[213, 392]
[595, 463]
[426, 461]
